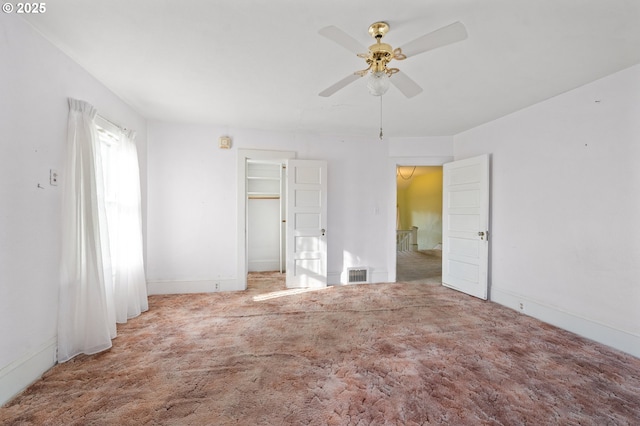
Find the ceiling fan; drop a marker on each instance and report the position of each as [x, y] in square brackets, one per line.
[380, 54]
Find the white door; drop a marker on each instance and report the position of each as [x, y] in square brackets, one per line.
[465, 226]
[306, 223]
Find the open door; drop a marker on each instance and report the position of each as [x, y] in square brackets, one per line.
[306, 223]
[465, 226]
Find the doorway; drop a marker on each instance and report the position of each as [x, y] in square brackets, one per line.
[419, 224]
[262, 187]
[265, 216]
[305, 190]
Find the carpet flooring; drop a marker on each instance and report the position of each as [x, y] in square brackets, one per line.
[384, 354]
[423, 266]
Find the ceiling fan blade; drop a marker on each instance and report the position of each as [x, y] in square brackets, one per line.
[343, 39]
[438, 38]
[406, 85]
[339, 85]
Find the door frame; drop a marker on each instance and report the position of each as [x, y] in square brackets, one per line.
[394, 162]
[243, 156]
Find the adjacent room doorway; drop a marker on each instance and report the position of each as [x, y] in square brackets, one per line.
[466, 232]
[419, 224]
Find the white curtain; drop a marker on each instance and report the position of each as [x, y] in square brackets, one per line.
[122, 184]
[101, 214]
[84, 324]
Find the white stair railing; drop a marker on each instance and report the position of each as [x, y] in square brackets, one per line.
[402, 240]
[407, 239]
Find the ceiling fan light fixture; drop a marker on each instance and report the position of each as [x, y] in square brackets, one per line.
[378, 83]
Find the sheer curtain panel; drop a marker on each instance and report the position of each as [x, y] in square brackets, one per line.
[102, 269]
[122, 184]
[86, 318]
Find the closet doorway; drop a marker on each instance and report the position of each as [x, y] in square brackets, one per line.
[254, 181]
[265, 216]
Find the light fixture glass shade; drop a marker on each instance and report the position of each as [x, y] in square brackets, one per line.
[378, 83]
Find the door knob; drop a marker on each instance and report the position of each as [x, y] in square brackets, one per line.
[482, 235]
[322, 231]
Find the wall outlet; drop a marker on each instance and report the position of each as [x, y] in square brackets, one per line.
[217, 286]
[521, 306]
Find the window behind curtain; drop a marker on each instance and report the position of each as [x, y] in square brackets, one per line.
[124, 228]
[108, 136]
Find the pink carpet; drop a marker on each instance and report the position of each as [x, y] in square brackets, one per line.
[384, 354]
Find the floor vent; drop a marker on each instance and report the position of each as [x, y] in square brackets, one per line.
[357, 275]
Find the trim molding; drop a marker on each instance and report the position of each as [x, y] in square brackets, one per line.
[192, 286]
[264, 265]
[379, 276]
[602, 333]
[22, 372]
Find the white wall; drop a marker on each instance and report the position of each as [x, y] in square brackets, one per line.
[193, 222]
[264, 229]
[405, 150]
[35, 81]
[566, 208]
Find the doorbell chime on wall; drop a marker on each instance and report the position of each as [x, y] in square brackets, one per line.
[225, 142]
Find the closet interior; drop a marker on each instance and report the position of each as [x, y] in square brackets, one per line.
[265, 216]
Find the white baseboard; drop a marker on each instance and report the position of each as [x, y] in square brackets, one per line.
[231, 284]
[264, 265]
[602, 333]
[195, 286]
[22, 372]
[379, 276]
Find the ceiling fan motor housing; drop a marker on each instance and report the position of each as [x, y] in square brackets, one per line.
[380, 54]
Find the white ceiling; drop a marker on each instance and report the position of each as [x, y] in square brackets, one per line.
[261, 64]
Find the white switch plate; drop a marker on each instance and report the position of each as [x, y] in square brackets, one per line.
[53, 177]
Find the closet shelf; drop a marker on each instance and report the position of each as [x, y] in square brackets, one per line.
[265, 195]
[263, 178]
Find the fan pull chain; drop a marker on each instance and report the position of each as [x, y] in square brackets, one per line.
[381, 117]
